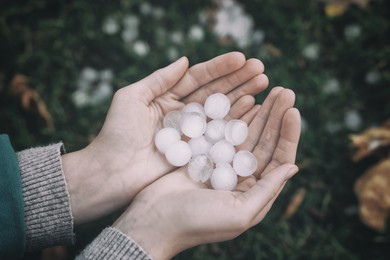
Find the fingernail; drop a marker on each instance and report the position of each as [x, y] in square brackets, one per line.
[293, 170]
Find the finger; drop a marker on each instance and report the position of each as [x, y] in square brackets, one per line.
[250, 115]
[258, 123]
[160, 81]
[240, 107]
[266, 189]
[252, 87]
[270, 135]
[205, 72]
[286, 149]
[250, 69]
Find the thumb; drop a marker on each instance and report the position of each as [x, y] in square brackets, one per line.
[161, 80]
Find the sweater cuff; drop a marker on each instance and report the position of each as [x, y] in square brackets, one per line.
[47, 210]
[113, 244]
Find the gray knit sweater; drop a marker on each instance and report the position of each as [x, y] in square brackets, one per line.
[48, 216]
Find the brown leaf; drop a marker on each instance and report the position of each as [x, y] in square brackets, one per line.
[30, 100]
[294, 204]
[373, 192]
[338, 7]
[370, 141]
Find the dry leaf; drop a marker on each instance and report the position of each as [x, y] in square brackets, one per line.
[373, 193]
[30, 99]
[272, 50]
[370, 141]
[294, 204]
[338, 7]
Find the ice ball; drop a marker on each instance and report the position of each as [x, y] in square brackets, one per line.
[200, 168]
[224, 178]
[215, 130]
[178, 154]
[172, 119]
[193, 124]
[222, 151]
[217, 106]
[244, 163]
[199, 145]
[236, 131]
[165, 137]
[194, 107]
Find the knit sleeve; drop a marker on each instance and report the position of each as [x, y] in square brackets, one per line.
[112, 244]
[48, 216]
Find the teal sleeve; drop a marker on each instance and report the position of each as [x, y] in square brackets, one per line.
[12, 226]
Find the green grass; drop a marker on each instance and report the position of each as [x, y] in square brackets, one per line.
[52, 41]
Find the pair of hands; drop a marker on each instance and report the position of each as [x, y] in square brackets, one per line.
[171, 212]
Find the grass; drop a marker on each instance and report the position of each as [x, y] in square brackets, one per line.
[52, 41]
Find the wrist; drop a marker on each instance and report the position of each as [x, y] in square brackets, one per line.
[92, 195]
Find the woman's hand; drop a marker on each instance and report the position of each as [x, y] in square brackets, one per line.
[122, 160]
[175, 212]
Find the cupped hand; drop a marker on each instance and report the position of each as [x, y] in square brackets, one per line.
[122, 159]
[175, 212]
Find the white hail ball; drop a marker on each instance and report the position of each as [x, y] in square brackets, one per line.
[217, 106]
[178, 154]
[193, 124]
[194, 107]
[165, 137]
[222, 151]
[199, 145]
[224, 178]
[244, 163]
[200, 168]
[215, 130]
[172, 119]
[236, 131]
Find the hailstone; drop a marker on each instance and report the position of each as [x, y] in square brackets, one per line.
[236, 131]
[217, 106]
[222, 151]
[215, 130]
[165, 137]
[200, 168]
[244, 163]
[194, 107]
[193, 124]
[178, 154]
[224, 178]
[199, 145]
[172, 119]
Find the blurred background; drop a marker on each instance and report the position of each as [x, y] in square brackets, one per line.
[61, 62]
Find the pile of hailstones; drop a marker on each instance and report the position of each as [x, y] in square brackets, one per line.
[210, 151]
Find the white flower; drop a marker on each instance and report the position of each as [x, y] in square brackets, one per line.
[373, 77]
[129, 35]
[106, 75]
[89, 74]
[158, 12]
[130, 21]
[146, 8]
[101, 93]
[177, 37]
[173, 54]
[196, 33]
[352, 31]
[80, 98]
[232, 21]
[258, 37]
[331, 86]
[352, 120]
[311, 51]
[110, 26]
[141, 48]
